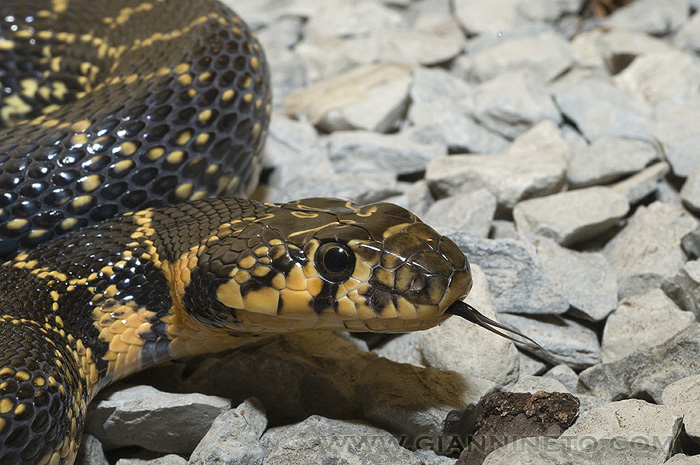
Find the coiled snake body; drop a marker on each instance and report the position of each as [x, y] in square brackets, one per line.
[113, 107]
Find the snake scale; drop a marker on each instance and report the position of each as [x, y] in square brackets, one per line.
[121, 121]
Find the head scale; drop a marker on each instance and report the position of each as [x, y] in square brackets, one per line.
[330, 264]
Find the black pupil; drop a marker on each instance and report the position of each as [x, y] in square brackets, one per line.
[336, 259]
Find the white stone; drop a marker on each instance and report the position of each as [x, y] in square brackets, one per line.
[469, 212]
[648, 248]
[676, 129]
[641, 322]
[572, 216]
[370, 97]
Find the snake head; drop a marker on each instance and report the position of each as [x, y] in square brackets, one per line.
[332, 264]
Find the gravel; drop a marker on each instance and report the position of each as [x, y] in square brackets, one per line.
[561, 156]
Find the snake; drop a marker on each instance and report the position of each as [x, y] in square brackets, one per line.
[131, 139]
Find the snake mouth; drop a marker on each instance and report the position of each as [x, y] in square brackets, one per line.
[469, 313]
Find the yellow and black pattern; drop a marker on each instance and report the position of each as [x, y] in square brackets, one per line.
[109, 111]
[105, 301]
[112, 106]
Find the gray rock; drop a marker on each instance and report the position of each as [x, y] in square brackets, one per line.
[641, 322]
[234, 437]
[360, 187]
[688, 36]
[155, 420]
[548, 10]
[485, 355]
[633, 420]
[681, 396]
[293, 149]
[562, 340]
[658, 76]
[608, 159]
[533, 165]
[565, 375]
[431, 44]
[645, 373]
[691, 244]
[170, 459]
[533, 384]
[486, 16]
[325, 441]
[430, 457]
[649, 16]
[370, 97]
[682, 459]
[684, 287]
[678, 134]
[585, 279]
[369, 151]
[443, 103]
[404, 348]
[517, 282]
[614, 49]
[642, 184]
[572, 216]
[599, 109]
[511, 103]
[470, 212]
[347, 19]
[418, 197]
[530, 366]
[648, 248]
[90, 452]
[503, 229]
[690, 193]
[547, 451]
[545, 56]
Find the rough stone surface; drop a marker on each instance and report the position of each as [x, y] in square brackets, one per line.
[322, 440]
[470, 212]
[640, 322]
[690, 193]
[683, 287]
[442, 105]
[90, 452]
[564, 341]
[650, 17]
[533, 165]
[234, 437]
[170, 459]
[545, 56]
[371, 97]
[645, 373]
[565, 375]
[516, 280]
[633, 420]
[681, 396]
[572, 216]
[511, 103]
[679, 137]
[533, 384]
[585, 279]
[369, 151]
[654, 252]
[155, 420]
[599, 109]
[642, 78]
[608, 159]
[643, 183]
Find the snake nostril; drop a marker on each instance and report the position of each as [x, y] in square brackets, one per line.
[418, 283]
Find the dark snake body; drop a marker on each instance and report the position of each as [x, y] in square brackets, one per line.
[117, 107]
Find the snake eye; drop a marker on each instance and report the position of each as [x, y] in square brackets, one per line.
[335, 262]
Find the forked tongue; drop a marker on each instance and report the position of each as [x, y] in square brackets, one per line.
[469, 313]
